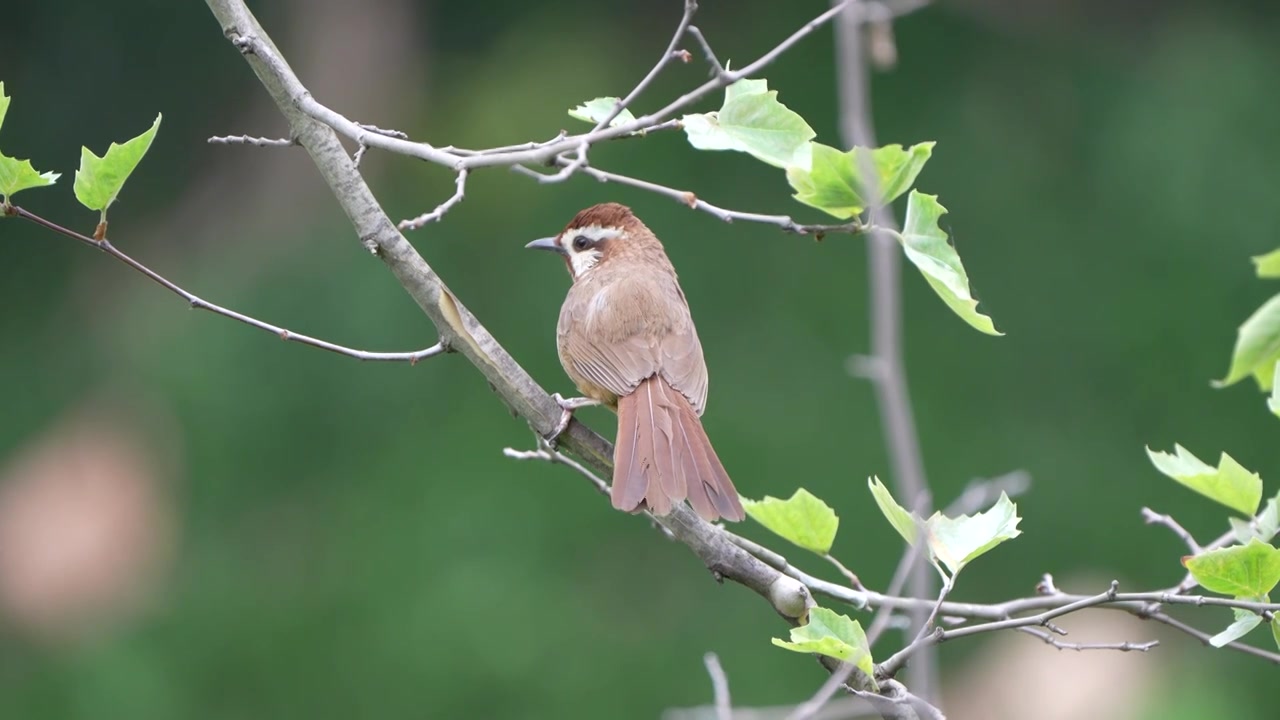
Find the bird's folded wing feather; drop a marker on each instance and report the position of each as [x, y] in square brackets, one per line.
[631, 330]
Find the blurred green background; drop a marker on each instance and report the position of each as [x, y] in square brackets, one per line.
[199, 521]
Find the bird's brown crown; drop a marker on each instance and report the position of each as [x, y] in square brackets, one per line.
[604, 215]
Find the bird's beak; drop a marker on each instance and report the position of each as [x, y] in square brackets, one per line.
[546, 243]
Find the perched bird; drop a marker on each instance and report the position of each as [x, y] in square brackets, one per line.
[627, 341]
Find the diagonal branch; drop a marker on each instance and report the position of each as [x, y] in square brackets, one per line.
[457, 326]
[200, 303]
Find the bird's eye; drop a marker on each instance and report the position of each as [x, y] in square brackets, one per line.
[582, 242]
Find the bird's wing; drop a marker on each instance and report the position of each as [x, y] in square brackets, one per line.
[617, 335]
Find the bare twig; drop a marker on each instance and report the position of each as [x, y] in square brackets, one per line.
[551, 455]
[717, 69]
[690, 7]
[201, 304]
[720, 686]
[248, 140]
[444, 207]
[1126, 646]
[1151, 517]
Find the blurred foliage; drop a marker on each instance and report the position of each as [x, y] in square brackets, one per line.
[351, 540]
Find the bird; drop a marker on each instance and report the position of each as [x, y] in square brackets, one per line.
[626, 339]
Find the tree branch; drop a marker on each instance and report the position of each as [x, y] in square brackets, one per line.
[199, 303]
[889, 374]
[457, 326]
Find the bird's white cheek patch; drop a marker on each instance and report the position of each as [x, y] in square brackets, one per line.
[584, 261]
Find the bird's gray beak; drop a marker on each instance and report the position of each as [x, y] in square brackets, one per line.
[546, 243]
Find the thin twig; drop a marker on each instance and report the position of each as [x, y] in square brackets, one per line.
[201, 304]
[551, 455]
[717, 69]
[248, 140]
[459, 193]
[720, 686]
[690, 7]
[1125, 646]
[1151, 517]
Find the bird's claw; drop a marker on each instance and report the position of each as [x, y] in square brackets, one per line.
[567, 406]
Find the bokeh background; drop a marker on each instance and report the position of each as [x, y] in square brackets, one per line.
[199, 521]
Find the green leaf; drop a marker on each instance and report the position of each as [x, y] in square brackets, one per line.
[835, 181]
[957, 541]
[751, 120]
[1264, 527]
[833, 635]
[1275, 628]
[1244, 570]
[954, 542]
[1273, 402]
[99, 179]
[1268, 266]
[593, 111]
[18, 175]
[802, 519]
[1229, 483]
[4, 104]
[926, 246]
[1245, 622]
[1257, 347]
[906, 523]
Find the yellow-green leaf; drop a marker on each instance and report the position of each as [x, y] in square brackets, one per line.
[99, 179]
[907, 524]
[1268, 266]
[836, 184]
[1242, 571]
[957, 541]
[1257, 347]
[926, 246]
[18, 175]
[751, 120]
[593, 111]
[1229, 483]
[802, 519]
[833, 635]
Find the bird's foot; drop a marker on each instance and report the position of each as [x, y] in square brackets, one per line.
[567, 406]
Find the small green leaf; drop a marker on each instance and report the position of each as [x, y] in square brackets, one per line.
[593, 111]
[4, 104]
[753, 121]
[906, 523]
[1244, 570]
[802, 519]
[1229, 483]
[1257, 347]
[1245, 622]
[957, 541]
[99, 179]
[835, 181]
[18, 175]
[927, 248]
[1268, 266]
[1275, 628]
[833, 635]
[1264, 527]
[1273, 402]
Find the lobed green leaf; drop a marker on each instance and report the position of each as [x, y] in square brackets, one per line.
[828, 633]
[1229, 483]
[593, 111]
[1257, 347]
[751, 120]
[1264, 527]
[926, 246]
[18, 175]
[802, 519]
[835, 181]
[1250, 570]
[957, 541]
[907, 524]
[99, 179]
[1268, 266]
[1244, 624]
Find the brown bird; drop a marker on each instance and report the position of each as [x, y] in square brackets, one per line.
[627, 341]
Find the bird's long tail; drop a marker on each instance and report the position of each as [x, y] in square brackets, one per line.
[663, 456]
